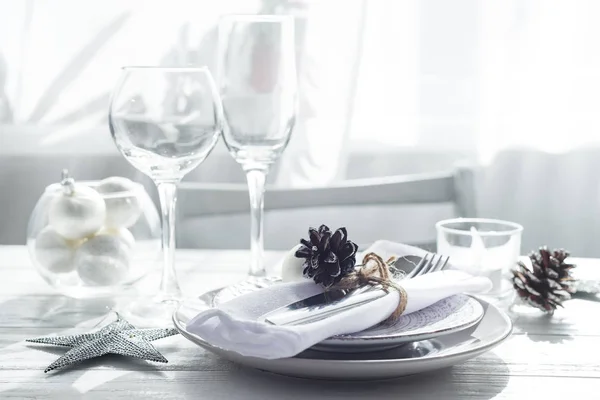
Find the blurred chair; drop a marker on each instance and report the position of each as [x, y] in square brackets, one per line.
[400, 208]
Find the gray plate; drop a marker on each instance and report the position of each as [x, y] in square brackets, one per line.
[411, 358]
[450, 315]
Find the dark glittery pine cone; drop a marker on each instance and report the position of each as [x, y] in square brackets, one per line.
[328, 256]
[548, 282]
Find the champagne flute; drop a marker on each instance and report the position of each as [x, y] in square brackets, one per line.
[257, 83]
[165, 122]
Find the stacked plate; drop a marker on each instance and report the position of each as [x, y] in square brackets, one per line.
[446, 333]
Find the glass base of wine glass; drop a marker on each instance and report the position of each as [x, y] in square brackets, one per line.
[149, 311]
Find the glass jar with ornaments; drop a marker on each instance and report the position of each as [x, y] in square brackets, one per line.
[94, 238]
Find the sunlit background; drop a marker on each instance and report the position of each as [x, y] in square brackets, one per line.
[387, 88]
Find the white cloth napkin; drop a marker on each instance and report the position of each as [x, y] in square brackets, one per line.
[233, 325]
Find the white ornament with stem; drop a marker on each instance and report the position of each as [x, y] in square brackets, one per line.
[78, 211]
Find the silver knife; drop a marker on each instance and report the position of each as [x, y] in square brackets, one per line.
[322, 305]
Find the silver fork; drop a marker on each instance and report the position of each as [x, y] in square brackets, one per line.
[412, 266]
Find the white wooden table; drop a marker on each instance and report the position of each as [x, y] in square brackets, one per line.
[546, 358]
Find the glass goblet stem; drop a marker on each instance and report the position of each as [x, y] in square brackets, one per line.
[169, 287]
[256, 189]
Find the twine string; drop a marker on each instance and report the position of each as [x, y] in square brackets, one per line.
[375, 271]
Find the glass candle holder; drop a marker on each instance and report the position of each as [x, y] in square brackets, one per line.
[482, 247]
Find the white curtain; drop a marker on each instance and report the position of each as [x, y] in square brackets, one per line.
[62, 57]
[512, 85]
[469, 77]
[540, 75]
[330, 34]
[539, 128]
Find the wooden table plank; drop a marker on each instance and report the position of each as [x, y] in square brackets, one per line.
[242, 383]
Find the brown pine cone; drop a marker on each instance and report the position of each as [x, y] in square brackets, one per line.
[548, 282]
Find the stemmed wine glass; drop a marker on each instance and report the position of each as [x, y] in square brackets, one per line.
[257, 82]
[165, 121]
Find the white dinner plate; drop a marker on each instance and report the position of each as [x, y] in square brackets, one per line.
[449, 315]
[408, 359]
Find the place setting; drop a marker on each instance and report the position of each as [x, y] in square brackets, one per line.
[341, 314]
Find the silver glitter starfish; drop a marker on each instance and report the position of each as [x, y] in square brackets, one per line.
[118, 337]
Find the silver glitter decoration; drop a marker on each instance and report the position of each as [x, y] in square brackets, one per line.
[118, 337]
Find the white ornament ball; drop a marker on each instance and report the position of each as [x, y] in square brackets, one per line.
[123, 208]
[122, 233]
[54, 252]
[77, 214]
[291, 266]
[103, 260]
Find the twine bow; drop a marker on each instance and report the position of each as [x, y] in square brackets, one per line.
[374, 271]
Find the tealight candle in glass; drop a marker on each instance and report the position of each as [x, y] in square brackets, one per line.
[482, 247]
